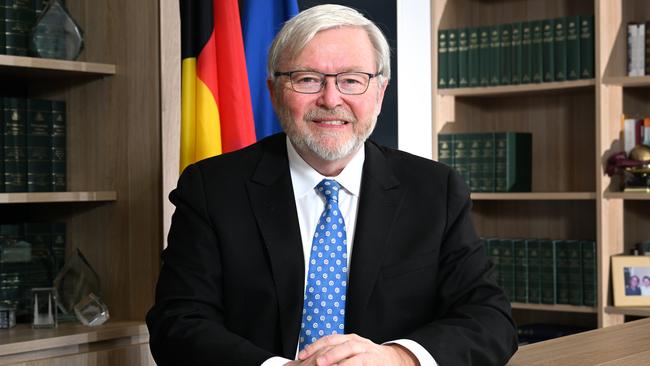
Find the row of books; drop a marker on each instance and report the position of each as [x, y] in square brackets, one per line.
[489, 162]
[518, 53]
[634, 131]
[638, 52]
[34, 145]
[17, 18]
[545, 271]
[31, 255]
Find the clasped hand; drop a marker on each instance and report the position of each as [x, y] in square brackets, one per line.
[352, 350]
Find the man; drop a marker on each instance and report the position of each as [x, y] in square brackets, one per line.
[278, 249]
[633, 288]
[645, 289]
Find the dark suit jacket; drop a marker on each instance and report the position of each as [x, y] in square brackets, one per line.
[231, 287]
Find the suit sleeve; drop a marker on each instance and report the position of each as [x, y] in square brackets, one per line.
[186, 324]
[473, 323]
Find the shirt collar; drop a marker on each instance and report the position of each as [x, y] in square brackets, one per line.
[305, 178]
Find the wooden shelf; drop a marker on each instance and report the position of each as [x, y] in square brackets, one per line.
[52, 197]
[518, 89]
[534, 196]
[627, 195]
[635, 311]
[23, 342]
[556, 307]
[43, 67]
[628, 81]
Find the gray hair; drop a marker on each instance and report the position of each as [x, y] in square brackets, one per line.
[298, 31]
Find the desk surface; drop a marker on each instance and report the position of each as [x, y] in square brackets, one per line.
[621, 345]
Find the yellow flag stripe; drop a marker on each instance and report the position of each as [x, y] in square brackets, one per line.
[200, 125]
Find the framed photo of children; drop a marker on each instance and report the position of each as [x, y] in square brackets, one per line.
[631, 280]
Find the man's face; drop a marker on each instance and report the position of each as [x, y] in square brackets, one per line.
[634, 282]
[646, 282]
[329, 125]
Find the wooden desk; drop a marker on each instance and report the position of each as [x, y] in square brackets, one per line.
[621, 345]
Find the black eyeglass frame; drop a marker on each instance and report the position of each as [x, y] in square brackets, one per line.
[322, 84]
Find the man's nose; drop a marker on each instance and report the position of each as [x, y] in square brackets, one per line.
[330, 96]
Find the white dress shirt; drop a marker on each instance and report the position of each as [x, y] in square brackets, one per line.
[310, 205]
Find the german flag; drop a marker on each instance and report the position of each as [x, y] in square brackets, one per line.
[216, 112]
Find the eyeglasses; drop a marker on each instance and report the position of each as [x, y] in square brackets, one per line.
[312, 82]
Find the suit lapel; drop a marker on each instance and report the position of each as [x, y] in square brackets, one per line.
[379, 201]
[271, 195]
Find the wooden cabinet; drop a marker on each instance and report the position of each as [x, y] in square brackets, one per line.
[113, 209]
[575, 127]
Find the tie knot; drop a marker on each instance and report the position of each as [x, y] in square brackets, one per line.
[329, 188]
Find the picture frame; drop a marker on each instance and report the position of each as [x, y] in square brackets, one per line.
[631, 280]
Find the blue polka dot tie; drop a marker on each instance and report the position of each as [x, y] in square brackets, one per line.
[324, 308]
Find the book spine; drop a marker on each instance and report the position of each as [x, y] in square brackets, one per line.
[58, 143]
[516, 62]
[487, 163]
[493, 249]
[443, 60]
[632, 35]
[640, 46]
[473, 57]
[560, 49]
[495, 55]
[507, 272]
[4, 114]
[534, 271]
[18, 21]
[548, 271]
[587, 47]
[452, 56]
[575, 273]
[484, 56]
[444, 149]
[39, 149]
[3, 42]
[526, 48]
[548, 56]
[474, 141]
[15, 155]
[573, 47]
[463, 54]
[521, 270]
[461, 156]
[646, 48]
[505, 54]
[589, 281]
[561, 271]
[536, 58]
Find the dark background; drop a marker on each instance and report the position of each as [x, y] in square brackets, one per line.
[384, 14]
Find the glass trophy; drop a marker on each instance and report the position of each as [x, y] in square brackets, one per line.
[56, 34]
[91, 311]
[44, 304]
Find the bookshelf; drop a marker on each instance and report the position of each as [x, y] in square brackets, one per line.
[112, 209]
[575, 127]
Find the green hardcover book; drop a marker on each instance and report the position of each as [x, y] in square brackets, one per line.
[484, 56]
[561, 271]
[589, 267]
[463, 54]
[560, 48]
[495, 55]
[536, 52]
[526, 49]
[19, 18]
[460, 146]
[2, 27]
[443, 60]
[575, 272]
[58, 244]
[487, 163]
[548, 54]
[587, 47]
[507, 264]
[2, 142]
[15, 151]
[473, 60]
[505, 54]
[516, 51]
[513, 162]
[39, 147]
[573, 47]
[521, 270]
[548, 271]
[58, 143]
[534, 271]
[475, 145]
[494, 248]
[452, 56]
[445, 154]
